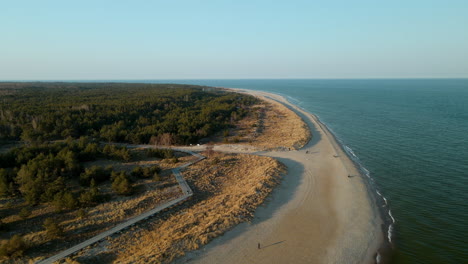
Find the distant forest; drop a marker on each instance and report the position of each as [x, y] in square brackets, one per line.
[116, 112]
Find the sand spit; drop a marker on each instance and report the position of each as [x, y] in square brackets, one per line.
[316, 215]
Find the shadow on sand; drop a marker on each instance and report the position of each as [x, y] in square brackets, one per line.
[280, 196]
[274, 244]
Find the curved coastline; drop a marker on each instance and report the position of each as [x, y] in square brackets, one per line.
[322, 212]
[383, 254]
[377, 200]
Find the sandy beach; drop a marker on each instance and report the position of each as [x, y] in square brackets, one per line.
[318, 214]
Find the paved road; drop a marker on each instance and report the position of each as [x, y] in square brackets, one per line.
[187, 192]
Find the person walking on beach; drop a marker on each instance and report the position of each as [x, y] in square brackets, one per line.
[258, 245]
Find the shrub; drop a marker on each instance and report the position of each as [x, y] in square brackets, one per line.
[216, 160]
[91, 196]
[160, 153]
[118, 153]
[145, 172]
[137, 172]
[97, 173]
[82, 213]
[24, 213]
[156, 177]
[14, 247]
[52, 228]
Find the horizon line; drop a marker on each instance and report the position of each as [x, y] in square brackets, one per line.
[188, 79]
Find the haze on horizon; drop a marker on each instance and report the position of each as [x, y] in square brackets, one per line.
[95, 40]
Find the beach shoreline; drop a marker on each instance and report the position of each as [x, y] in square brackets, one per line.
[322, 212]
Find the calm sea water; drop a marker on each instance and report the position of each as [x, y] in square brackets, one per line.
[412, 136]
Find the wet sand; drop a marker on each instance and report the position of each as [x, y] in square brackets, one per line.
[318, 214]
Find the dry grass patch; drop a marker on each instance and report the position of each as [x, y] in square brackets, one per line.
[271, 125]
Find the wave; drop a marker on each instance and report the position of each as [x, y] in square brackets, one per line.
[350, 151]
[293, 100]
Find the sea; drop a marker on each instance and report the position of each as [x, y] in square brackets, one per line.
[410, 136]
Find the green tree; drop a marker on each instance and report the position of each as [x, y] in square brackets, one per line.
[52, 189]
[121, 184]
[30, 185]
[64, 200]
[91, 196]
[70, 161]
[90, 152]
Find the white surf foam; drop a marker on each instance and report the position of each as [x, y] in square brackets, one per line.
[389, 233]
[391, 216]
[350, 151]
[390, 227]
[378, 258]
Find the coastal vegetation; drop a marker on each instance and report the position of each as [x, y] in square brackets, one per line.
[61, 171]
[49, 172]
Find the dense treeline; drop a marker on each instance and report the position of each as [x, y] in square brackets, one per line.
[42, 172]
[134, 113]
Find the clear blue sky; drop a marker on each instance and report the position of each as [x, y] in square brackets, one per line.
[176, 39]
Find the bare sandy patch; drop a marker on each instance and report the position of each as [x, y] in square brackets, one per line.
[270, 125]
